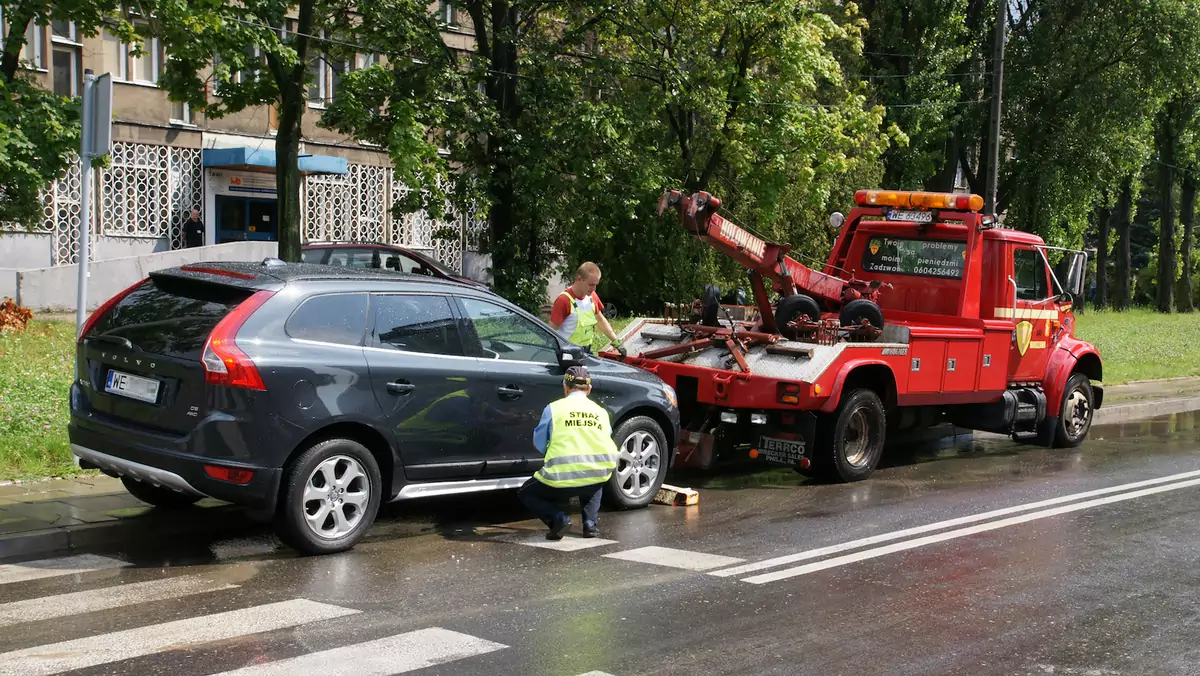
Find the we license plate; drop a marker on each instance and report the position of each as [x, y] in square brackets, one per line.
[134, 387]
[914, 216]
[784, 451]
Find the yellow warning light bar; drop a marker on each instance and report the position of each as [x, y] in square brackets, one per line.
[918, 200]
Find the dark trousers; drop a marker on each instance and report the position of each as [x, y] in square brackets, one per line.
[547, 502]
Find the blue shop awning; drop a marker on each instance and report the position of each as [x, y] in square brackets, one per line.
[255, 159]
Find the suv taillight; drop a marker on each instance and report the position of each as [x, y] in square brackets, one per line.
[224, 363]
[104, 309]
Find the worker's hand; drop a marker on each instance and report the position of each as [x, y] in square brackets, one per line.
[620, 348]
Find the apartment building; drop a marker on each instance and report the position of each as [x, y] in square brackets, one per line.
[168, 160]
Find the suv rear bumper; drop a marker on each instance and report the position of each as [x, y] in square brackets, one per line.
[179, 472]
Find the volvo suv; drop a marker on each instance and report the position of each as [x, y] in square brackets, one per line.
[311, 394]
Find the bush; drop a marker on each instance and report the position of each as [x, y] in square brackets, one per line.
[13, 317]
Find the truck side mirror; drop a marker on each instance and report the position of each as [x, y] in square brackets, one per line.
[1076, 274]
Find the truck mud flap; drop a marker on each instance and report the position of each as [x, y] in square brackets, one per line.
[792, 446]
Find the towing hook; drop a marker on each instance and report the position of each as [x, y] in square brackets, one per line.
[669, 198]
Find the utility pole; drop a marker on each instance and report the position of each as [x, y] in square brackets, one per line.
[95, 141]
[993, 176]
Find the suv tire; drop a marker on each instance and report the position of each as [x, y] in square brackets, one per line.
[839, 455]
[158, 496]
[641, 464]
[329, 498]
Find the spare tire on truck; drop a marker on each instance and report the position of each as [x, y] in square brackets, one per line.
[790, 309]
[854, 312]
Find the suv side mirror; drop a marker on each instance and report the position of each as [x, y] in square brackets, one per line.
[570, 355]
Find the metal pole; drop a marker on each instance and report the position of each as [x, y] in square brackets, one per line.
[993, 176]
[85, 199]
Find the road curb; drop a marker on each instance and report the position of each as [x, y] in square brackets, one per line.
[184, 523]
[1110, 415]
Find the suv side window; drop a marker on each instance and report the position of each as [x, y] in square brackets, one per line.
[1029, 270]
[337, 318]
[399, 262]
[504, 334]
[413, 323]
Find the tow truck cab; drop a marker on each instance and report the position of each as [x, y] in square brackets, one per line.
[977, 330]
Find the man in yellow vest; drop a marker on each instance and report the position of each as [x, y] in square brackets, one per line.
[575, 436]
[578, 311]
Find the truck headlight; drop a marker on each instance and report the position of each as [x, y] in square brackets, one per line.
[669, 393]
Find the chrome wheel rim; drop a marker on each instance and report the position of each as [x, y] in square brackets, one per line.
[638, 465]
[856, 440]
[1079, 411]
[336, 495]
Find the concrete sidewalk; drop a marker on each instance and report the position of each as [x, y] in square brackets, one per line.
[44, 517]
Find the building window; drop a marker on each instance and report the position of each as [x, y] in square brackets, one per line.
[146, 66]
[32, 52]
[316, 85]
[113, 56]
[181, 113]
[65, 58]
[447, 13]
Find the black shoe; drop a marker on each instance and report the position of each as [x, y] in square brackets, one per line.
[590, 530]
[560, 524]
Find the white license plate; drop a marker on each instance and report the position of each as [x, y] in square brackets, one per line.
[914, 216]
[786, 451]
[134, 387]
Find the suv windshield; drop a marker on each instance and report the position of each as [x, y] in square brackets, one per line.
[170, 317]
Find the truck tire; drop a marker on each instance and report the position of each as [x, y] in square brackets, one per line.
[850, 441]
[158, 496]
[641, 464]
[790, 308]
[1074, 415]
[855, 311]
[308, 491]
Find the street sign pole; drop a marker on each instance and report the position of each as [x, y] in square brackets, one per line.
[95, 141]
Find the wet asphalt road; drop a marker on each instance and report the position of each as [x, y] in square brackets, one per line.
[1056, 583]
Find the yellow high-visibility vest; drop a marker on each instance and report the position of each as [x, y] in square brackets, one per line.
[581, 451]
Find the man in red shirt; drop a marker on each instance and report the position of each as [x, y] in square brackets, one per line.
[578, 310]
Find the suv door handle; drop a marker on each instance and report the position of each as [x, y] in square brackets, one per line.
[510, 391]
[400, 387]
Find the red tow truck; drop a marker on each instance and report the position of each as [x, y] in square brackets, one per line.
[926, 312]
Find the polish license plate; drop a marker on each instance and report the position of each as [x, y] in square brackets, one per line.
[785, 451]
[914, 216]
[134, 387]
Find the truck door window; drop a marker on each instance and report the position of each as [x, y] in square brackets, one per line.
[1029, 270]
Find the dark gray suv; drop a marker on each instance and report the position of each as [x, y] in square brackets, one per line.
[310, 394]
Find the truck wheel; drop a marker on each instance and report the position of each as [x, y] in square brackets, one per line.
[857, 310]
[330, 496]
[1075, 414]
[641, 464]
[790, 308]
[157, 495]
[850, 442]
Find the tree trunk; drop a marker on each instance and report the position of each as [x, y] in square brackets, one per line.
[18, 23]
[1165, 298]
[1103, 222]
[1124, 272]
[1187, 207]
[287, 169]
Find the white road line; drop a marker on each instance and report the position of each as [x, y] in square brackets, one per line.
[674, 558]
[92, 651]
[70, 565]
[77, 603]
[567, 544]
[596, 673]
[974, 518]
[392, 655]
[962, 532]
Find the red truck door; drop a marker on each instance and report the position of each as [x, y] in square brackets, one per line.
[1033, 309]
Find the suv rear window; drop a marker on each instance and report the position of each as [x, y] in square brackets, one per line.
[921, 257]
[170, 317]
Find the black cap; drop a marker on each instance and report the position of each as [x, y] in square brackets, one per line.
[577, 375]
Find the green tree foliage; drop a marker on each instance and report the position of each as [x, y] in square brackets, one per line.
[39, 131]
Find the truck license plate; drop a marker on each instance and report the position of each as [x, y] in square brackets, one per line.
[784, 451]
[134, 387]
[914, 216]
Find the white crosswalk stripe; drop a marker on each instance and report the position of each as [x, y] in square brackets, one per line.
[92, 651]
[674, 558]
[392, 655]
[107, 598]
[70, 565]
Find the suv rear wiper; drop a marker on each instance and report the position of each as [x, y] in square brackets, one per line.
[117, 340]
